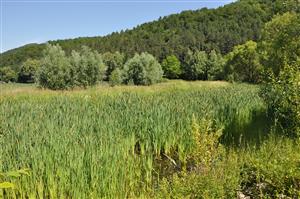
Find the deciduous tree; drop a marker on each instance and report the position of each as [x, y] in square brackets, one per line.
[143, 69]
[171, 67]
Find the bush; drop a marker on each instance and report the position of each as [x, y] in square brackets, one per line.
[211, 173]
[116, 77]
[7, 74]
[272, 171]
[282, 95]
[142, 69]
[55, 70]
[171, 67]
[28, 71]
[243, 63]
[281, 91]
[87, 67]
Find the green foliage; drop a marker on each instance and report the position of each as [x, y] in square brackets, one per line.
[171, 67]
[196, 67]
[202, 66]
[4, 177]
[113, 61]
[211, 173]
[281, 91]
[282, 94]
[207, 148]
[281, 41]
[272, 171]
[215, 66]
[87, 67]
[55, 70]
[116, 77]
[204, 29]
[16, 57]
[142, 69]
[243, 63]
[28, 71]
[7, 74]
[102, 142]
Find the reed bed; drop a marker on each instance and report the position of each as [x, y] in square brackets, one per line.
[101, 143]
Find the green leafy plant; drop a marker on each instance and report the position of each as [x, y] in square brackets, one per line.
[4, 184]
[143, 69]
[28, 71]
[55, 70]
[171, 67]
[116, 77]
[87, 67]
[243, 63]
[7, 74]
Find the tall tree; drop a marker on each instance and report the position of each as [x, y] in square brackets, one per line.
[142, 69]
[171, 67]
[196, 67]
[54, 72]
[215, 66]
[87, 67]
[281, 41]
[28, 71]
[113, 61]
[281, 90]
[204, 29]
[243, 63]
[7, 74]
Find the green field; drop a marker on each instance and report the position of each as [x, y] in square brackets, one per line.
[105, 142]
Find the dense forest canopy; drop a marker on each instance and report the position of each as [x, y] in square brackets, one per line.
[206, 29]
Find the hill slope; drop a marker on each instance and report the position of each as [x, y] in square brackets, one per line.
[204, 29]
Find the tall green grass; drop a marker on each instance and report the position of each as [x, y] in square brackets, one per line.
[102, 144]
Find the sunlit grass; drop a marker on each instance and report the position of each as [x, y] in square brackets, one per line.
[101, 142]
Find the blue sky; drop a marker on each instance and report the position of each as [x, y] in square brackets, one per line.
[37, 21]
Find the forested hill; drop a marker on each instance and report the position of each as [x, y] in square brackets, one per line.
[204, 29]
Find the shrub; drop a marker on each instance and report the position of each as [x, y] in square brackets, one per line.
[281, 50]
[116, 77]
[282, 95]
[28, 71]
[171, 67]
[7, 74]
[243, 63]
[55, 70]
[142, 69]
[87, 67]
[211, 174]
[272, 171]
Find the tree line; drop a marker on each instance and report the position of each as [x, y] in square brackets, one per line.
[273, 61]
[205, 30]
[245, 63]
[87, 67]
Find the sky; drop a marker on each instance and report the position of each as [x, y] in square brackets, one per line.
[38, 21]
